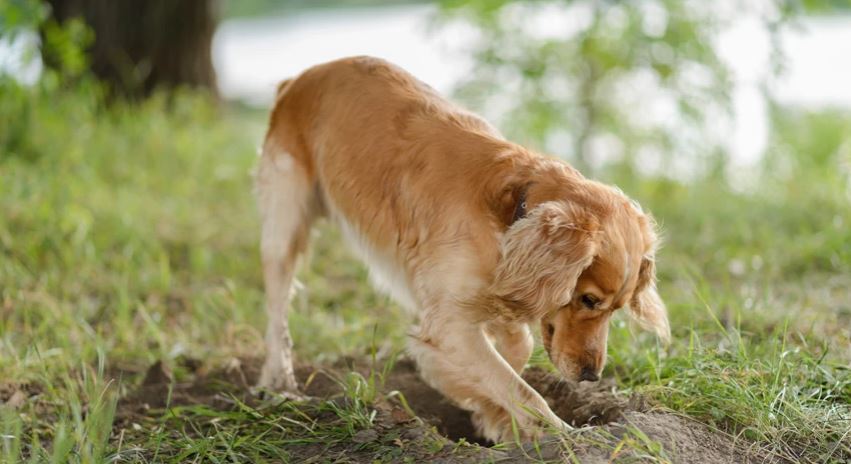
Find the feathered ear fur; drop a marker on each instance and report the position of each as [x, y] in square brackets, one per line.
[541, 258]
[646, 306]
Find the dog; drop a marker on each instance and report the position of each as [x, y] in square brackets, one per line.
[478, 237]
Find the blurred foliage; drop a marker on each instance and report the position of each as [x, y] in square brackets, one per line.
[635, 81]
[66, 43]
[17, 15]
[804, 141]
[240, 8]
[826, 6]
[789, 219]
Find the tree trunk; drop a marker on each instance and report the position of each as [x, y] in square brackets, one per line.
[141, 45]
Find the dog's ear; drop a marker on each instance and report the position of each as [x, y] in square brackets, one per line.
[646, 306]
[542, 256]
[510, 204]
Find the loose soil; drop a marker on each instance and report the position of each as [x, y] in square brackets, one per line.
[604, 419]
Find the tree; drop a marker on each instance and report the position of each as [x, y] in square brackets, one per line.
[139, 46]
[638, 80]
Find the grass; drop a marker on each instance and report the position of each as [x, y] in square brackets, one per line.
[128, 236]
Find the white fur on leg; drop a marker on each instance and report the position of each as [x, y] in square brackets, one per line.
[283, 194]
[513, 341]
[457, 359]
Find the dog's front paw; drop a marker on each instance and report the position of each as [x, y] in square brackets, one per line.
[493, 424]
[498, 427]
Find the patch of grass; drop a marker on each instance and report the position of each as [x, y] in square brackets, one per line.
[128, 235]
[785, 396]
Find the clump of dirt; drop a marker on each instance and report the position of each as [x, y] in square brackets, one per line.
[578, 404]
[14, 395]
[603, 417]
[160, 387]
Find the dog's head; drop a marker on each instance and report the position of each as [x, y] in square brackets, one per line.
[570, 257]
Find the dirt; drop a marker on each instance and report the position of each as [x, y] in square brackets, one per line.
[14, 395]
[604, 418]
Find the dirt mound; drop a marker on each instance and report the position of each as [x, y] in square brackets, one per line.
[683, 439]
[605, 420]
[579, 404]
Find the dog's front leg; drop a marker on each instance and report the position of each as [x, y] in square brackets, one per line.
[456, 357]
[513, 341]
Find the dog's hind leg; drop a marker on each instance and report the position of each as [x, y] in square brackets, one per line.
[287, 208]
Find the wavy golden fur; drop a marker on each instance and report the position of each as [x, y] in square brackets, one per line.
[475, 235]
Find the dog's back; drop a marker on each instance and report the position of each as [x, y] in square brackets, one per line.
[385, 151]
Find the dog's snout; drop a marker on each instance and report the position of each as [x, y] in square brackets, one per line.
[589, 375]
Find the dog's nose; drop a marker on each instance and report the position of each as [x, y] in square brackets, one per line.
[589, 375]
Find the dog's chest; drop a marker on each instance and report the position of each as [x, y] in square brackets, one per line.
[386, 274]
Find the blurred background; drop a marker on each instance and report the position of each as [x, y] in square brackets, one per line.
[665, 83]
[129, 129]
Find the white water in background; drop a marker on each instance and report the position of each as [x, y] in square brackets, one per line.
[252, 55]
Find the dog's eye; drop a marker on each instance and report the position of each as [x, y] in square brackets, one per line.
[589, 301]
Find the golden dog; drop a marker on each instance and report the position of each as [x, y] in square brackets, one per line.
[475, 235]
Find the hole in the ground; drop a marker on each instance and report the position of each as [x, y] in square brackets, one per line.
[578, 405]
